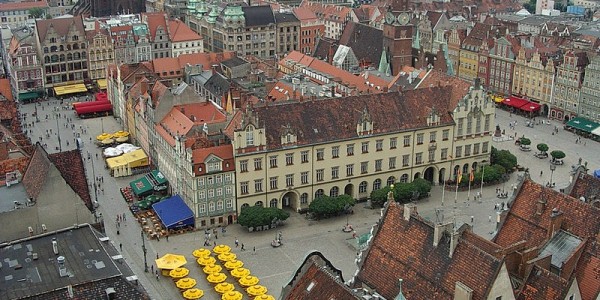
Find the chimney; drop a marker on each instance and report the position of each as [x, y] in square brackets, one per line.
[438, 232]
[540, 206]
[556, 219]
[409, 209]
[454, 236]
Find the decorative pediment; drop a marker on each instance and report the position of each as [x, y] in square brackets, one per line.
[433, 118]
[212, 159]
[288, 135]
[365, 123]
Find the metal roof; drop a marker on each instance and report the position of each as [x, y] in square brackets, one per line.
[561, 247]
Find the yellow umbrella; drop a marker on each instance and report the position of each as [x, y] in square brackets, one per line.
[234, 264]
[121, 133]
[264, 297]
[224, 287]
[221, 249]
[107, 141]
[232, 295]
[186, 283]
[206, 260]
[122, 139]
[201, 252]
[248, 281]
[256, 290]
[170, 261]
[240, 272]
[179, 272]
[216, 277]
[104, 136]
[227, 256]
[193, 294]
[209, 269]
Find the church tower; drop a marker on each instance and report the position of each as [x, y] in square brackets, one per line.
[397, 36]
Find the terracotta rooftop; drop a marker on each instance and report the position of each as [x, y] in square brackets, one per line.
[24, 5]
[366, 42]
[317, 278]
[586, 186]
[69, 164]
[543, 284]
[328, 12]
[167, 67]
[175, 123]
[223, 152]
[305, 15]
[60, 25]
[460, 87]
[179, 32]
[155, 21]
[428, 271]
[200, 113]
[335, 119]
[5, 89]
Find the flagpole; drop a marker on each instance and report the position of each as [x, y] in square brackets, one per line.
[482, 173]
[469, 192]
[458, 178]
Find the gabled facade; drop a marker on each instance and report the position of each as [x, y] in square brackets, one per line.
[589, 103]
[159, 36]
[534, 77]
[25, 66]
[62, 44]
[469, 52]
[286, 157]
[502, 63]
[567, 85]
[183, 39]
[432, 27]
[455, 39]
[100, 52]
[288, 32]
[123, 42]
[335, 17]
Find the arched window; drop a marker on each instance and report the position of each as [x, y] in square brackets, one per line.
[362, 187]
[456, 168]
[376, 184]
[61, 47]
[245, 205]
[319, 193]
[75, 47]
[391, 180]
[273, 203]
[62, 57]
[45, 49]
[69, 56]
[76, 55]
[250, 135]
[82, 45]
[466, 169]
[404, 178]
[83, 55]
[258, 203]
[47, 59]
[304, 198]
[334, 192]
[53, 49]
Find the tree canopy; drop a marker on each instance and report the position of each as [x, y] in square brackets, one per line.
[525, 141]
[325, 206]
[36, 12]
[254, 216]
[557, 154]
[542, 147]
[503, 158]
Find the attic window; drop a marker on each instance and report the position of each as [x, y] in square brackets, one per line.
[310, 286]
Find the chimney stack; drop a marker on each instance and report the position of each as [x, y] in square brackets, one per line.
[556, 219]
[438, 232]
[409, 209]
[454, 236]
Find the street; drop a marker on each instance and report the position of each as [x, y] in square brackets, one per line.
[275, 266]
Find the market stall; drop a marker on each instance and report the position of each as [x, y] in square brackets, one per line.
[174, 213]
[126, 164]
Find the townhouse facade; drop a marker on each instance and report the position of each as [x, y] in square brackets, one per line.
[123, 43]
[311, 28]
[63, 46]
[287, 32]
[469, 52]
[17, 14]
[502, 62]
[100, 53]
[567, 85]
[286, 156]
[334, 17]
[183, 39]
[431, 28]
[589, 103]
[455, 39]
[159, 34]
[24, 65]
[534, 77]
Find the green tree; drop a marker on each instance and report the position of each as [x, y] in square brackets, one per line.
[325, 206]
[503, 158]
[379, 197]
[542, 147]
[422, 186]
[530, 6]
[403, 192]
[557, 154]
[525, 141]
[254, 216]
[36, 12]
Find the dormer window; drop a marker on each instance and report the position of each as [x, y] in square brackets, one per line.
[365, 124]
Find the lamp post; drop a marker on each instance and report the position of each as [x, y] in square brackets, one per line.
[552, 168]
[58, 132]
[145, 251]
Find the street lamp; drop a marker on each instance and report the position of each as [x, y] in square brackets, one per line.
[58, 134]
[145, 251]
[552, 168]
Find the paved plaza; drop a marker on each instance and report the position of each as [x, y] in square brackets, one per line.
[275, 266]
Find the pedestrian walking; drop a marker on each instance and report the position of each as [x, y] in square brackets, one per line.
[167, 237]
[541, 173]
[152, 268]
[121, 246]
[243, 247]
[157, 276]
[254, 250]
[237, 243]
[124, 217]
[157, 255]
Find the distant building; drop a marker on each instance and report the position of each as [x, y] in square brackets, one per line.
[100, 54]
[311, 28]
[534, 77]
[589, 102]
[160, 41]
[288, 32]
[567, 85]
[183, 39]
[18, 13]
[25, 66]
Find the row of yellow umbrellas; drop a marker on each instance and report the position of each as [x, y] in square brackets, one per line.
[105, 135]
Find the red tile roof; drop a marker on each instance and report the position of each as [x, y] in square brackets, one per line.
[203, 112]
[5, 89]
[336, 118]
[204, 59]
[23, 5]
[155, 21]
[460, 87]
[543, 284]
[586, 186]
[223, 152]
[329, 12]
[164, 66]
[179, 32]
[305, 15]
[60, 25]
[175, 123]
[428, 272]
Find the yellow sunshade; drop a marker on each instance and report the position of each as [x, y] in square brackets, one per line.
[248, 281]
[104, 136]
[264, 297]
[240, 272]
[256, 290]
[201, 252]
[206, 260]
[70, 89]
[193, 294]
[234, 264]
[227, 256]
[216, 277]
[224, 287]
[122, 139]
[101, 83]
[232, 295]
[179, 272]
[170, 261]
[107, 141]
[121, 133]
[210, 269]
[185, 283]
[133, 159]
[221, 249]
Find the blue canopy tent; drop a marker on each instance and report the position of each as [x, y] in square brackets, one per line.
[597, 173]
[174, 213]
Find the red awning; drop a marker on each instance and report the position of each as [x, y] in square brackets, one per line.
[515, 102]
[530, 107]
